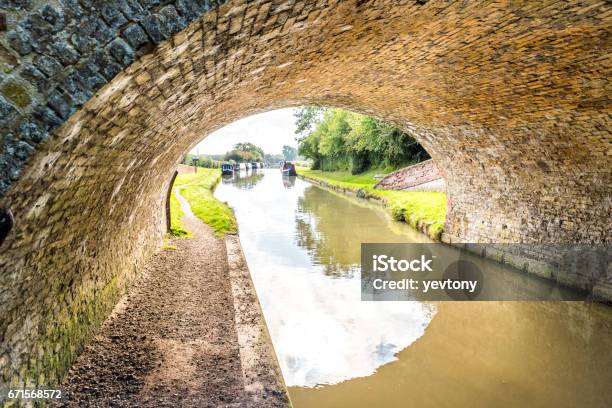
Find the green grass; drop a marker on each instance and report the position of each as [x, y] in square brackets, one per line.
[177, 228]
[176, 212]
[199, 194]
[344, 178]
[408, 206]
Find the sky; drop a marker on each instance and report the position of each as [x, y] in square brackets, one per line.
[268, 130]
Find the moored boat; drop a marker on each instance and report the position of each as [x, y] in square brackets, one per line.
[227, 169]
[288, 169]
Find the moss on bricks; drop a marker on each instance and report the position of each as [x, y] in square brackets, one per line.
[16, 93]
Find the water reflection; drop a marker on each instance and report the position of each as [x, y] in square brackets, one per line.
[244, 179]
[490, 354]
[289, 181]
[322, 332]
[326, 228]
[302, 246]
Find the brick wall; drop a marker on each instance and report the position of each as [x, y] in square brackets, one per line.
[100, 99]
[411, 176]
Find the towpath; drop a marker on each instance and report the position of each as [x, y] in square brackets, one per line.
[176, 340]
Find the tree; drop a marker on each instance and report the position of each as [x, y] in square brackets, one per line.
[306, 118]
[240, 156]
[245, 152]
[289, 153]
[309, 148]
[339, 139]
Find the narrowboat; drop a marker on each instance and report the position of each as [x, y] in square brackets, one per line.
[227, 169]
[288, 169]
[236, 166]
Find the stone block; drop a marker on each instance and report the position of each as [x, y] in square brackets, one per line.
[99, 30]
[72, 9]
[83, 43]
[155, 26]
[35, 77]
[47, 117]
[53, 16]
[113, 17]
[74, 86]
[48, 65]
[135, 36]
[20, 40]
[541, 269]
[132, 10]
[574, 280]
[7, 111]
[174, 22]
[188, 9]
[603, 291]
[106, 65]
[32, 133]
[91, 78]
[61, 103]
[62, 51]
[121, 51]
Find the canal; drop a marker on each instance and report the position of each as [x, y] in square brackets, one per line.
[302, 245]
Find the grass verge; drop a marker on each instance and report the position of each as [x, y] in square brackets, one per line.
[424, 211]
[199, 194]
[177, 228]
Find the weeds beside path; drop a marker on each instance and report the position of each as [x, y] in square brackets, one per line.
[424, 211]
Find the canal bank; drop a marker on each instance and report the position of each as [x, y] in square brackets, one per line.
[189, 332]
[542, 262]
[423, 211]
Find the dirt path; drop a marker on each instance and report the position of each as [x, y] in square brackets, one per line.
[172, 339]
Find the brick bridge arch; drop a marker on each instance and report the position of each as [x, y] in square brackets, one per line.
[99, 100]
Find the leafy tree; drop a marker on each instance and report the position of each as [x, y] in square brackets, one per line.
[256, 151]
[245, 152]
[241, 156]
[305, 119]
[308, 147]
[339, 139]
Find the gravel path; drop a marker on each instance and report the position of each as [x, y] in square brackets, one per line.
[172, 339]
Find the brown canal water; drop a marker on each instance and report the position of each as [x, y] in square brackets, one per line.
[302, 245]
